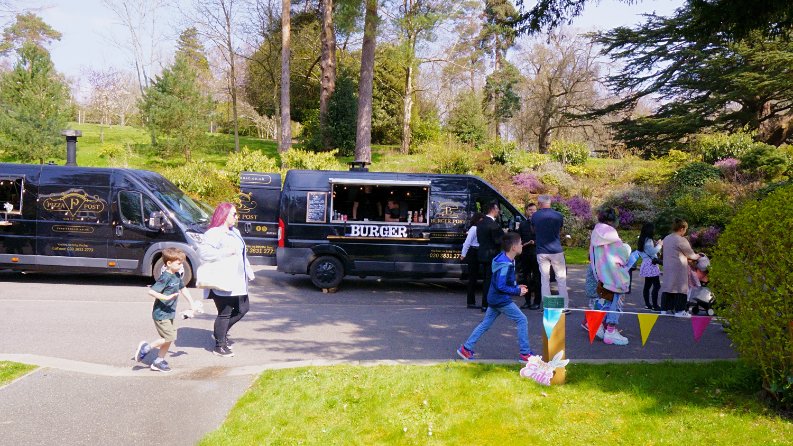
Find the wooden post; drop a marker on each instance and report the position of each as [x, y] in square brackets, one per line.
[556, 344]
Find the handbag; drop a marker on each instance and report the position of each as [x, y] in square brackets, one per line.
[604, 293]
[217, 275]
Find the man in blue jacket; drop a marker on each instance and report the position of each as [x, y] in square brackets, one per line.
[502, 287]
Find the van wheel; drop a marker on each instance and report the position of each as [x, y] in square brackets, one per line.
[326, 272]
[188, 272]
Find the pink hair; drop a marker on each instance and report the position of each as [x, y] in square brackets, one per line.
[221, 214]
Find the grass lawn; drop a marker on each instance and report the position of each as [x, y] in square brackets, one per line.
[576, 256]
[467, 404]
[10, 371]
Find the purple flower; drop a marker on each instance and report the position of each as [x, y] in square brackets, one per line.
[529, 182]
[626, 217]
[728, 166]
[580, 208]
[705, 237]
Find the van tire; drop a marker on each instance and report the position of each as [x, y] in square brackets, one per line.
[326, 272]
[188, 272]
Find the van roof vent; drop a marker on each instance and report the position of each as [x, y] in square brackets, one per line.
[359, 166]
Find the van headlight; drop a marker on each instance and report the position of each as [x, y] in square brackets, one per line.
[196, 237]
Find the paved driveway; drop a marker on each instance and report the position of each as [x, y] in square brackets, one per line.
[83, 330]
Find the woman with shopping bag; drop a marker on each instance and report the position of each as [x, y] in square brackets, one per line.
[224, 273]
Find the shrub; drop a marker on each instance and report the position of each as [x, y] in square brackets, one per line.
[578, 171]
[694, 175]
[750, 273]
[705, 238]
[677, 157]
[453, 158]
[302, 159]
[501, 152]
[728, 167]
[201, 180]
[764, 161]
[640, 202]
[466, 120]
[247, 160]
[529, 182]
[700, 208]
[422, 130]
[718, 146]
[529, 160]
[553, 174]
[580, 208]
[626, 217]
[567, 152]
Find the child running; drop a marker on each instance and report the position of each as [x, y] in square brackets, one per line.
[499, 299]
[166, 292]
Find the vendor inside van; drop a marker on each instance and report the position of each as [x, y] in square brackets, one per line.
[380, 203]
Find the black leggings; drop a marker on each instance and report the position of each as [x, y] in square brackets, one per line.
[230, 310]
[655, 284]
[674, 302]
[473, 274]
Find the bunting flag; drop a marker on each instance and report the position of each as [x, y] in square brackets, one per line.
[594, 319]
[699, 323]
[646, 323]
[550, 316]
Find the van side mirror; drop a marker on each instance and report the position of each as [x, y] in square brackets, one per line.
[158, 221]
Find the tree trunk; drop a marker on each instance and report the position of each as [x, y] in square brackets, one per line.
[232, 77]
[328, 66]
[286, 34]
[407, 99]
[363, 131]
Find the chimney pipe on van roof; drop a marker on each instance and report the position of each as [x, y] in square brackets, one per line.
[71, 145]
[359, 166]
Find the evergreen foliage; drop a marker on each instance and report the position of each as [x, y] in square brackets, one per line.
[177, 109]
[466, 120]
[33, 107]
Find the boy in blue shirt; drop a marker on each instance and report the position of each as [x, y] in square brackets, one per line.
[499, 298]
[166, 292]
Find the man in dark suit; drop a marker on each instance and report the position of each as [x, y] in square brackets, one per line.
[488, 234]
[530, 274]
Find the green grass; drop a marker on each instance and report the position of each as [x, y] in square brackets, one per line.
[467, 404]
[576, 256]
[10, 371]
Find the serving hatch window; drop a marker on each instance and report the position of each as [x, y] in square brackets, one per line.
[11, 192]
[383, 201]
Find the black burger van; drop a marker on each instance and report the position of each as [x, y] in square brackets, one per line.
[359, 223]
[103, 220]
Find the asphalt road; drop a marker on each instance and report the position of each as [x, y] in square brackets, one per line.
[83, 330]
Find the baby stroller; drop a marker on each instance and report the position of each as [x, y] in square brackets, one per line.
[700, 298]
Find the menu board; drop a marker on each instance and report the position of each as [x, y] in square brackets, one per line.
[316, 206]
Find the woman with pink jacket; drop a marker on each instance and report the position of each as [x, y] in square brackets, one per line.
[608, 256]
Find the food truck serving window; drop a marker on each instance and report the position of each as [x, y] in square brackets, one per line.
[11, 192]
[380, 201]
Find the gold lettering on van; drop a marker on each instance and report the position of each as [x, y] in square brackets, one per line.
[74, 201]
[244, 203]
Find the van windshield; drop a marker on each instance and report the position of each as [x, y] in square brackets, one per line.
[183, 207]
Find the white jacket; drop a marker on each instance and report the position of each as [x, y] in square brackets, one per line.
[219, 243]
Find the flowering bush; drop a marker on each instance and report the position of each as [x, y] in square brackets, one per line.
[728, 167]
[705, 237]
[640, 202]
[580, 208]
[529, 182]
[626, 217]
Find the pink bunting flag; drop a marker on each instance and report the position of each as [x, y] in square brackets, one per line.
[593, 321]
[699, 323]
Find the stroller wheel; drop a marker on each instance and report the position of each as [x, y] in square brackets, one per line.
[711, 312]
[695, 309]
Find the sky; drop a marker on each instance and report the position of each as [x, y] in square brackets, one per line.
[88, 28]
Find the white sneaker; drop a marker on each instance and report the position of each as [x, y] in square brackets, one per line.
[683, 314]
[613, 337]
[600, 332]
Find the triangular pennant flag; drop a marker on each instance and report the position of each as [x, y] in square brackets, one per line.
[699, 323]
[646, 322]
[593, 321]
[550, 316]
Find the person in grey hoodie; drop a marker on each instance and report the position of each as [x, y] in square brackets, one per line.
[502, 287]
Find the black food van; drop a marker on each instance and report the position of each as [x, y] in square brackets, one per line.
[359, 223]
[100, 220]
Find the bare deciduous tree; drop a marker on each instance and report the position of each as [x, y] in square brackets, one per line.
[285, 142]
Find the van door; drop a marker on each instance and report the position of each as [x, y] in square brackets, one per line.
[258, 208]
[73, 218]
[131, 233]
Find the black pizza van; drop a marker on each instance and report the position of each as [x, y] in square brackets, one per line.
[100, 220]
[333, 224]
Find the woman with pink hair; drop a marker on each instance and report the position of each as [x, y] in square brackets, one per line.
[223, 241]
